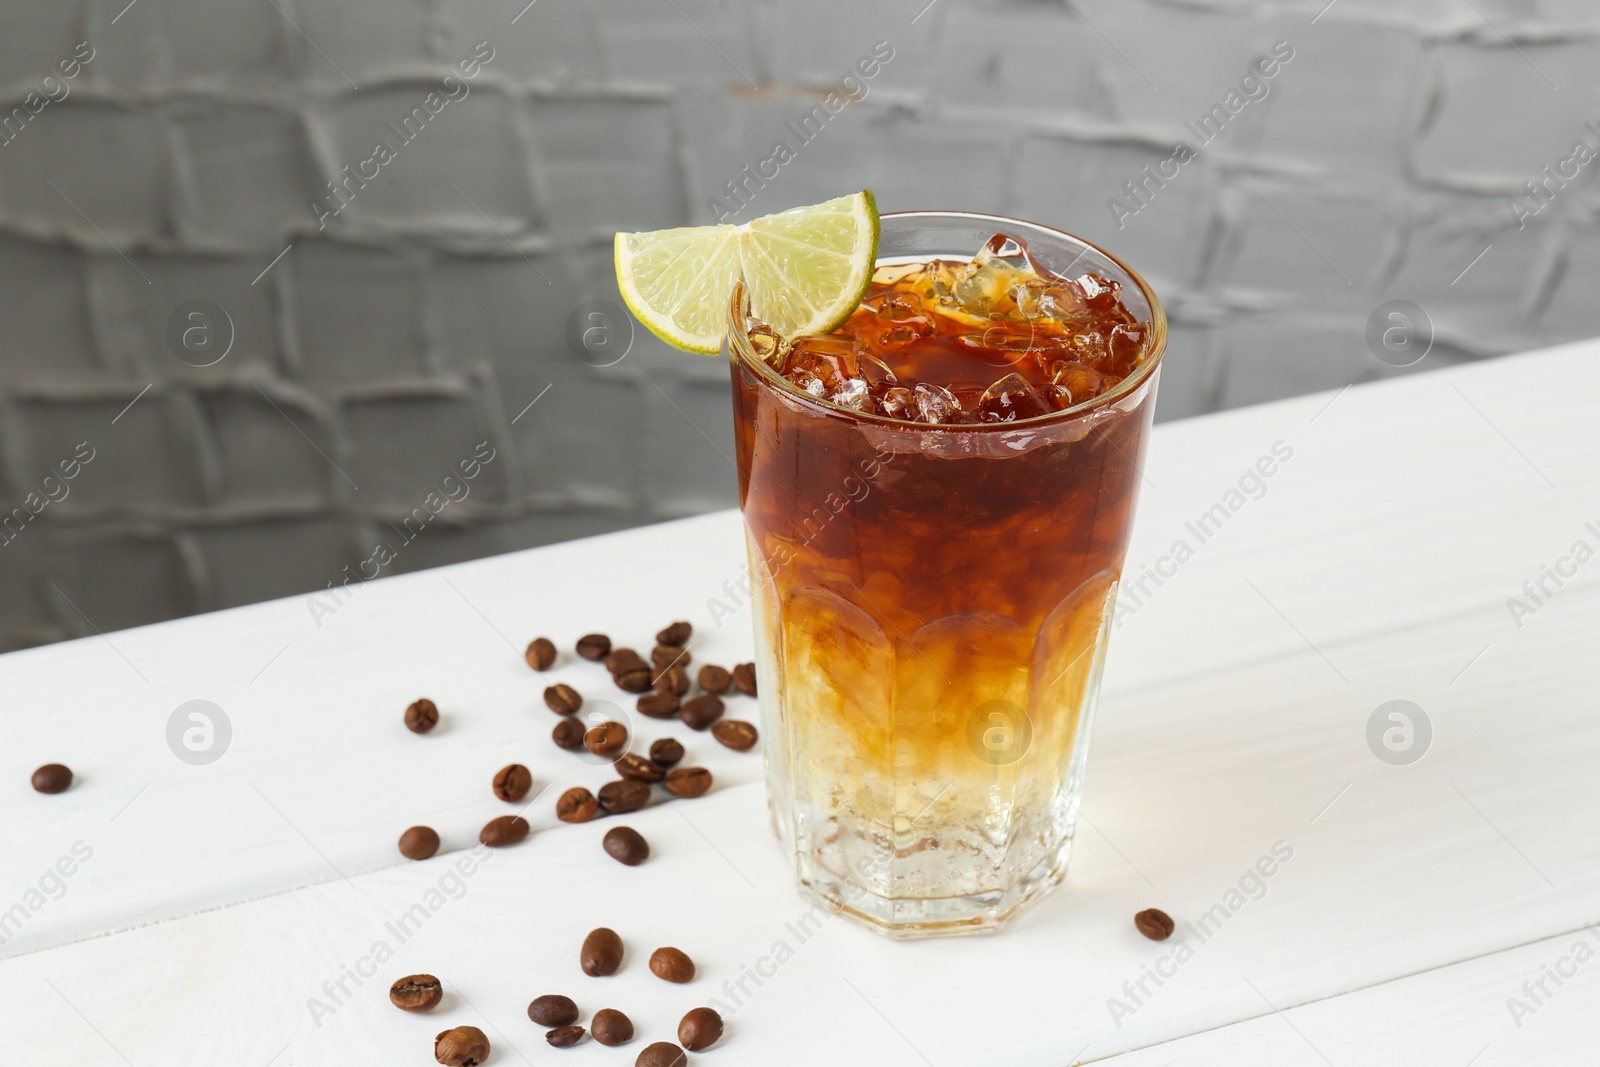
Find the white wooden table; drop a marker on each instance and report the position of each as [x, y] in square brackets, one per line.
[219, 900]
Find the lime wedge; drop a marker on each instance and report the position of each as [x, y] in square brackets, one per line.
[807, 268]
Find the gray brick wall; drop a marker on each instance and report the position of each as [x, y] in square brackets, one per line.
[370, 357]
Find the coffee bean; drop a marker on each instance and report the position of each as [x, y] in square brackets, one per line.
[621, 797]
[736, 734]
[52, 778]
[636, 680]
[464, 1046]
[419, 843]
[553, 1009]
[677, 634]
[1155, 924]
[606, 739]
[624, 659]
[699, 1029]
[744, 678]
[658, 705]
[674, 680]
[666, 752]
[564, 1036]
[639, 769]
[701, 711]
[562, 699]
[671, 964]
[688, 782]
[594, 646]
[627, 846]
[601, 954]
[422, 716]
[664, 656]
[714, 679]
[512, 782]
[610, 1027]
[506, 830]
[541, 653]
[416, 992]
[577, 805]
[568, 734]
[661, 1054]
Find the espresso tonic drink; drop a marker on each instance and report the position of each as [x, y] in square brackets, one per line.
[937, 497]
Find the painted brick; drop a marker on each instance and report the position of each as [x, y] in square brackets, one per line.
[137, 309]
[690, 43]
[1292, 238]
[508, 311]
[1272, 357]
[110, 579]
[248, 177]
[1071, 184]
[604, 165]
[246, 426]
[76, 144]
[34, 40]
[403, 447]
[582, 442]
[46, 335]
[819, 44]
[1192, 373]
[274, 558]
[1573, 312]
[470, 141]
[547, 42]
[145, 461]
[222, 41]
[27, 620]
[1318, 113]
[362, 41]
[689, 464]
[1500, 117]
[1023, 59]
[358, 312]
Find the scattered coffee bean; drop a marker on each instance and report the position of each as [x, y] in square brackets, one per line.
[606, 739]
[627, 846]
[714, 679]
[56, 777]
[699, 1029]
[666, 752]
[624, 659]
[553, 1009]
[688, 782]
[512, 782]
[422, 716]
[541, 653]
[610, 1027]
[562, 699]
[564, 1036]
[506, 830]
[416, 992]
[639, 769]
[744, 678]
[636, 680]
[419, 843]
[464, 1046]
[735, 734]
[664, 656]
[601, 954]
[619, 798]
[577, 805]
[568, 734]
[671, 964]
[661, 1054]
[674, 680]
[594, 646]
[677, 634]
[658, 705]
[1155, 924]
[701, 711]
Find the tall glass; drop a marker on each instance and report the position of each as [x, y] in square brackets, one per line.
[932, 609]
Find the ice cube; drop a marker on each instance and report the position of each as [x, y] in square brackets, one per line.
[766, 343]
[1009, 399]
[936, 404]
[854, 395]
[985, 285]
[897, 402]
[876, 372]
[832, 359]
[1125, 344]
[1080, 382]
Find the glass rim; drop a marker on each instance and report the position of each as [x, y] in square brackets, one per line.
[739, 345]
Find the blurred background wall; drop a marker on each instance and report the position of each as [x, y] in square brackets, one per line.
[366, 352]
